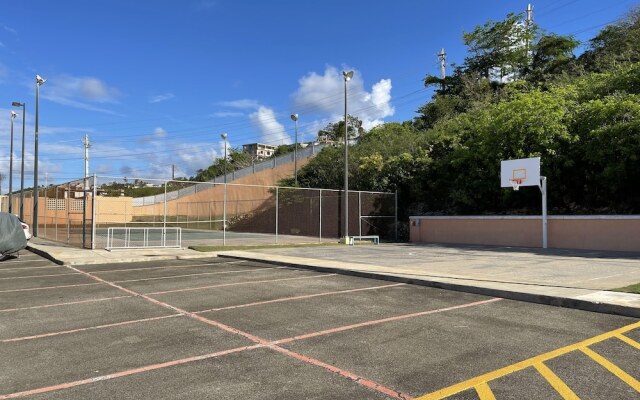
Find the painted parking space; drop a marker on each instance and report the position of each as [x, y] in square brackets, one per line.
[195, 329]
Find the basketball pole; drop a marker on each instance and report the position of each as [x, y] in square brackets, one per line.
[543, 189]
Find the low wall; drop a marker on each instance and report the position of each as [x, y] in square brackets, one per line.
[594, 232]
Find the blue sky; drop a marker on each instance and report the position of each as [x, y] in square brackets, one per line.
[155, 83]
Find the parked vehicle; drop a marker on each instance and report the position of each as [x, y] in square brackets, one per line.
[13, 236]
[25, 228]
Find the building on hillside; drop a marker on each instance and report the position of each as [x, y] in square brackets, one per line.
[259, 151]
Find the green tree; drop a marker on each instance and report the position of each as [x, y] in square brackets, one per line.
[499, 46]
[616, 44]
[236, 159]
[552, 55]
[335, 131]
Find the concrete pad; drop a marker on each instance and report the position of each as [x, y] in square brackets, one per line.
[62, 254]
[146, 264]
[360, 262]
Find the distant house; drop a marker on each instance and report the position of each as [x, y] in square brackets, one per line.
[259, 151]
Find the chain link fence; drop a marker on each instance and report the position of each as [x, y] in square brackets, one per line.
[65, 211]
[80, 213]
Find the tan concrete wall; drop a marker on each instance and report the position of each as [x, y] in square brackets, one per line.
[617, 233]
[596, 234]
[240, 199]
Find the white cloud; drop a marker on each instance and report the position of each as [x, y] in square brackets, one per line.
[271, 130]
[242, 104]
[80, 92]
[155, 138]
[325, 94]
[227, 114]
[10, 30]
[159, 133]
[161, 97]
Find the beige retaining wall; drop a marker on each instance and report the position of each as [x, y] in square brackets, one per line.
[596, 232]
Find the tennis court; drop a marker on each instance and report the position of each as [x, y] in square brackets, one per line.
[227, 329]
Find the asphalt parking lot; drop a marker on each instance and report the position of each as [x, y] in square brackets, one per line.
[227, 329]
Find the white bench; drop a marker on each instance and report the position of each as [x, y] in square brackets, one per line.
[374, 238]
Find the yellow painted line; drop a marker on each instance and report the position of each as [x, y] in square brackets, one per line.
[614, 369]
[459, 387]
[484, 391]
[556, 382]
[629, 341]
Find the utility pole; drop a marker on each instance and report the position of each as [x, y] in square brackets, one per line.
[529, 24]
[86, 161]
[442, 56]
[173, 172]
[529, 15]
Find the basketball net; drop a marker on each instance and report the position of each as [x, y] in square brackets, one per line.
[515, 183]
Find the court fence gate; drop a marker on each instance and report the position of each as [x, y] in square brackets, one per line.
[81, 212]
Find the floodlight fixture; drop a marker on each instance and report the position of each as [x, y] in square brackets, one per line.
[347, 75]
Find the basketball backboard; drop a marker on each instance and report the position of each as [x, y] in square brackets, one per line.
[521, 172]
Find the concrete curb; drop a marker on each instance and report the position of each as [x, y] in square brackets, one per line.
[557, 301]
[126, 259]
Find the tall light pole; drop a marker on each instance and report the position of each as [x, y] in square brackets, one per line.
[39, 81]
[347, 77]
[224, 202]
[294, 117]
[13, 116]
[18, 104]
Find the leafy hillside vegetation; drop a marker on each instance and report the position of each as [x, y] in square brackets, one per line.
[519, 93]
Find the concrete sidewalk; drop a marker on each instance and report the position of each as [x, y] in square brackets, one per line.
[68, 255]
[566, 278]
[574, 279]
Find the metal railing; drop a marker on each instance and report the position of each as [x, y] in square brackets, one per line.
[271, 163]
[137, 238]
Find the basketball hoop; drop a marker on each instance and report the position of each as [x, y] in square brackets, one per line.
[515, 183]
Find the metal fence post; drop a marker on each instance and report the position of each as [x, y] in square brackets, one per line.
[320, 204]
[224, 215]
[68, 212]
[93, 213]
[84, 213]
[360, 213]
[277, 207]
[164, 219]
[396, 214]
[57, 209]
[44, 212]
